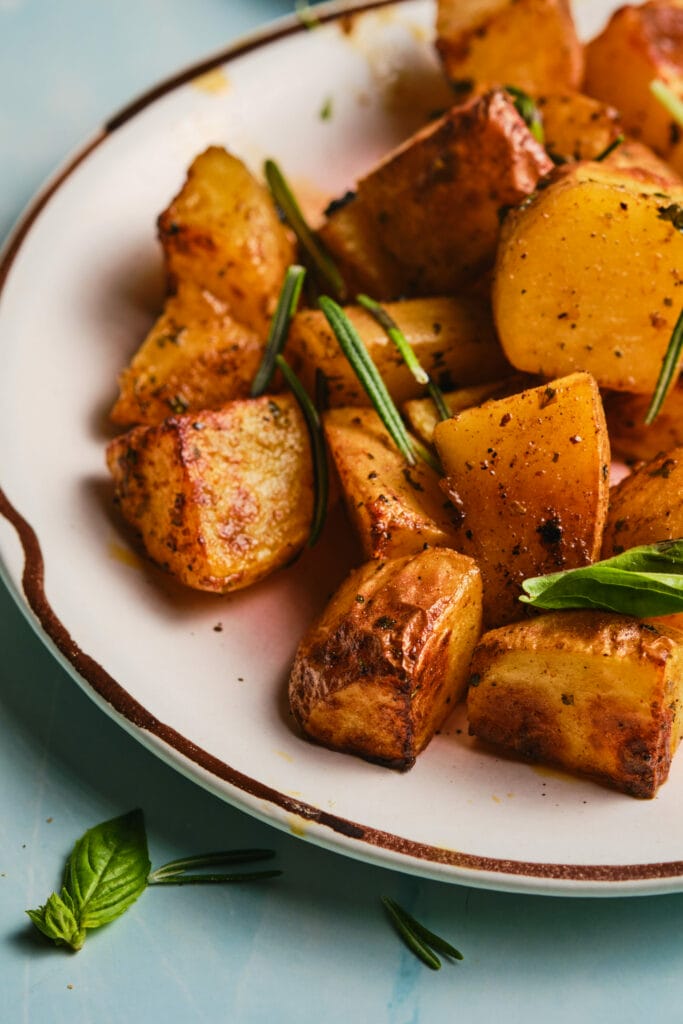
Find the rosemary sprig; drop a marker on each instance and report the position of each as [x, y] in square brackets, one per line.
[320, 475]
[321, 261]
[620, 139]
[179, 872]
[209, 879]
[399, 339]
[368, 375]
[667, 374]
[279, 326]
[420, 940]
[528, 111]
[668, 98]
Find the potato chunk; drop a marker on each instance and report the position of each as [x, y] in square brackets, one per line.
[577, 127]
[531, 44]
[377, 674]
[396, 509]
[433, 203]
[630, 438]
[592, 692]
[453, 338]
[646, 506]
[222, 232]
[529, 475]
[195, 357]
[641, 43]
[220, 499]
[587, 277]
[423, 416]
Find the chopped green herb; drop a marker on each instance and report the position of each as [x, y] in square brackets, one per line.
[305, 14]
[326, 110]
[672, 103]
[672, 213]
[620, 139]
[528, 111]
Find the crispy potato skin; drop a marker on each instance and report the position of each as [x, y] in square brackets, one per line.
[453, 338]
[647, 42]
[488, 42]
[222, 232]
[220, 499]
[592, 692]
[377, 674]
[433, 202]
[565, 254]
[396, 509]
[529, 475]
[646, 506]
[630, 439]
[196, 357]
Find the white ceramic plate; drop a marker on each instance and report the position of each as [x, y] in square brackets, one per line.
[200, 679]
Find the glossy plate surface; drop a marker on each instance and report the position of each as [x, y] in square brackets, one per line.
[201, 679]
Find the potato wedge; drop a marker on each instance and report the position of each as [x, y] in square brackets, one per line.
[453, 338]
[529, 475]
[630, 439]
[195, 357]
[389, 657]
[395, 509]
[531, 44]
[646, 42]
[587, 277]
[577, 127]
[646, 506]
[592, 692]
[220, 499]
[222, 232]
[433, 203]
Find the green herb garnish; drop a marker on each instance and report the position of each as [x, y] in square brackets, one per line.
[355, 351]
[320, 475]
[644, 581]
[326, 110]
[673, 213]
[668, 372]
[417, 938]
[528, 111]
[305, 15]
[109, 868]
[620, 139]
[279, 326]
[672, 103]
[321, 261]
[410, 359]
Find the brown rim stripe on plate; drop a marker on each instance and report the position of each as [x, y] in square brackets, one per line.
[123, 702]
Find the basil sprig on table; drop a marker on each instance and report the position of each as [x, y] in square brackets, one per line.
[644, 581]
[109, 868]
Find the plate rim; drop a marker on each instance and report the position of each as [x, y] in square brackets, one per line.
[323, 828]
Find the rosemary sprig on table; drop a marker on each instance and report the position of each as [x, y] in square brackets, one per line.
[320, 474]
[279, 326]
[672, 103]
[420, 940]
[410, 359]
[668, 372]
[176, 871]
[321, 262]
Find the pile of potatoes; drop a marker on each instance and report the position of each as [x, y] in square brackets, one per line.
[538, 280]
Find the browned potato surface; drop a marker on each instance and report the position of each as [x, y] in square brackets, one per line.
[220, 499]
[433, 203]
[577, 127]
[629, 438]
[195, 357]
[350, 232]
[592, 692]
[377, 674]
[531, 44]
[453, 338]
[222, 232]
[646, 506]
[529, 475]
[395, 508]
[641, 43]
[587, 278]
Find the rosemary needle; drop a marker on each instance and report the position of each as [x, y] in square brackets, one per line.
[209, 879]
[672, 103]
[608, 150]
[220, 858]
[667, 374]
[417, 938]
[279, 326]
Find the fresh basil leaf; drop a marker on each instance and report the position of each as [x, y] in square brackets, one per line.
[643, 581]
[57, 922]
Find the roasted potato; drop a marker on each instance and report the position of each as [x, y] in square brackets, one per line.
[577, 127]
[592, 692]
[453, 338]
[377, 674]
[529, 476]
[395, 508]
[646, 506]
[641, 43]
[220, 499]
[633, 441]
[587, 276]
[433, 203]
[195, 357]
[531, 44]
[222, 233]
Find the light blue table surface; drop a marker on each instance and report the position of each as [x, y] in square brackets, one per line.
[313, 945]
